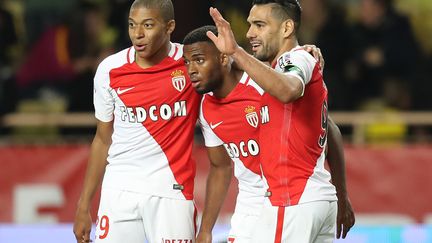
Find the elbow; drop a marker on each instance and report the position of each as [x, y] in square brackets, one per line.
[229, 168]
[286, 99]
[289, 90]
[289, 94]
[333, 128]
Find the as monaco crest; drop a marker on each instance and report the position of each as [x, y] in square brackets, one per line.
[178, 80]
[251, 116]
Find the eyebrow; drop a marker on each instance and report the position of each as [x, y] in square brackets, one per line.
[198, 54]
[144, 20]
[256, 22]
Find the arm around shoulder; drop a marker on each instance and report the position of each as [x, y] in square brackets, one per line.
[283, 86]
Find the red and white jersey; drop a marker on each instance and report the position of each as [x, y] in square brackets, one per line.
[154, 111]
[233, 121]
[293, 136]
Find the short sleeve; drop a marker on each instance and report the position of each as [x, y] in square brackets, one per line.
[298, 63]
[210, 138]
[102, 98]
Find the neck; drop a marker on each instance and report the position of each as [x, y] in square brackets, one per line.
[288, 45]
[146, 62]
[229, 82]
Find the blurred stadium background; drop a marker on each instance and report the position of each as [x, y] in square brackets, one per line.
[378, 70]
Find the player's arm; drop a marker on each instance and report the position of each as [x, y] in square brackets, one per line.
[336, 160]
[218, 182]
[95, 170]
[285, 88]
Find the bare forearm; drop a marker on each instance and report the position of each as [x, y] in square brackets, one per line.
[285, 88]
[218, 182]
[336, 158]
[95, 170]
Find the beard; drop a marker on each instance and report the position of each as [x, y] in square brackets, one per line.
[260, 56]
[264, 54]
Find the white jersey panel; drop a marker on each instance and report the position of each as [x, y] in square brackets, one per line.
[251, 189]
[303, 62]
[210, 138]
[135, 175]
[319, 184]
[138, 161]
[103, 99]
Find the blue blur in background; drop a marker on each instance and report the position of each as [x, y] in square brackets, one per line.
[359, 234]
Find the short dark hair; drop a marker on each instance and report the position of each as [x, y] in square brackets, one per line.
[289, 9]
[199, 35]
[165, 6]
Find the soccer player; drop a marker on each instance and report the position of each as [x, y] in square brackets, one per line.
[300, 204]
[146, 110]
[229, 117]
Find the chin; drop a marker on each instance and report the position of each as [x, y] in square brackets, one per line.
[201, 91]
[260, 57]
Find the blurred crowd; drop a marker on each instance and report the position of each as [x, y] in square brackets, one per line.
[375, 50]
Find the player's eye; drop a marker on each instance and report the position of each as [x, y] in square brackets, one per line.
[131, 25]
[186, 62]
[200, 60]
[147, 25]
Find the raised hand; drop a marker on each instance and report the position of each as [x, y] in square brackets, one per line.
[225, 41]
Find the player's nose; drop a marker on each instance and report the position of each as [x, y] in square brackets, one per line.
[139, 32]
[250, 33]
[192, 71]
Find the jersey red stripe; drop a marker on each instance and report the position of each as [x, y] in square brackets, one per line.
[127, 56]
[279, 226]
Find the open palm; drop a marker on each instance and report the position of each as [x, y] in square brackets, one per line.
[225, 41]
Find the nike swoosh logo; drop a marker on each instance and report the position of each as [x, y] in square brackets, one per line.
[124, 90]
[213, 126]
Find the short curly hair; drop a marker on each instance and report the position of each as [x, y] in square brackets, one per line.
[199, 35]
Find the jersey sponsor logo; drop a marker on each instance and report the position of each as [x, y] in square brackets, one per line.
[213, 126]
[121, 91]
[178, 80]
[251, 116]
[154, 113]
[265, 116]
[176, 240]
[244, 149]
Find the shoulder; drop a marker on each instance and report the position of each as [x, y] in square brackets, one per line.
[295, 57]
[115, 60]
[176, 51]
[247, 81]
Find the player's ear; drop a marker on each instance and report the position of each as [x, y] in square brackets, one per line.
[170, 26]
[287, 28]
[224, 59]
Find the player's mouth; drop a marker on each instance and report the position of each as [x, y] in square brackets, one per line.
[195, 83]
[255, 45]
[140, 47]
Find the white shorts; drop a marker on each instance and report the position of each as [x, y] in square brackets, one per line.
[136, 218]
[303, 223]
[242, 225]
